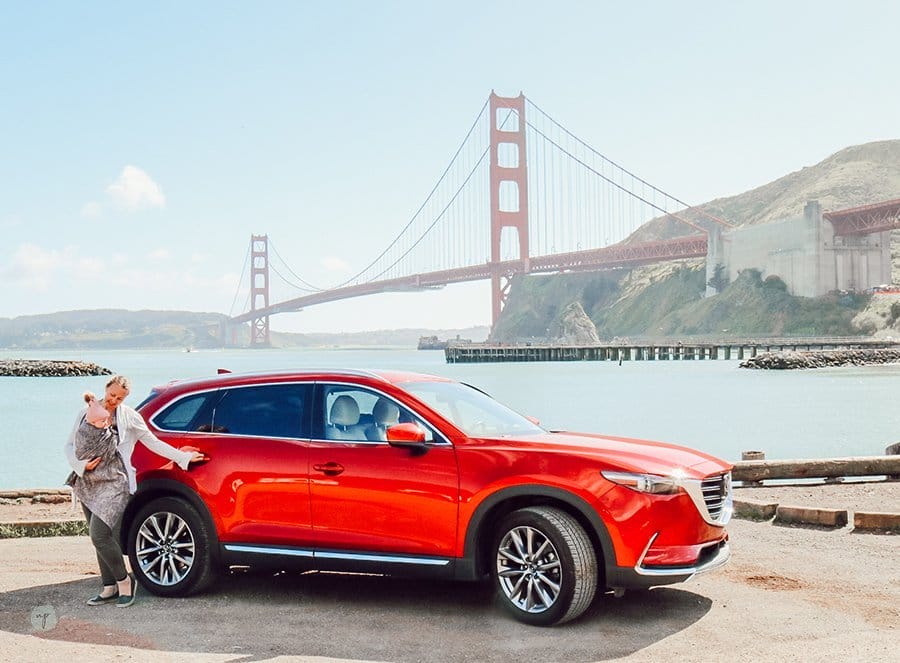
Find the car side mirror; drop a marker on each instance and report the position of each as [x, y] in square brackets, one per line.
[408, 435]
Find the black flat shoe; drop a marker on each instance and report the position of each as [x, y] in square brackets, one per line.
[103, 600]
[125, 600]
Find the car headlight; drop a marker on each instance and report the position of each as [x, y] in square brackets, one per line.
[645, 483]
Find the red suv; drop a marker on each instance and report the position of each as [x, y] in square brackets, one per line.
[402, 473]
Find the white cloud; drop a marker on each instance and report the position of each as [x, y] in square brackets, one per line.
[334, 264]
[33, 267]
[91, 210]
[90, 266]
[55, 279]
[135, 190]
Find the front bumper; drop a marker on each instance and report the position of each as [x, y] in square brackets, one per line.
[642, 575]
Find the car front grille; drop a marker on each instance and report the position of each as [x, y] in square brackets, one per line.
[716, 493]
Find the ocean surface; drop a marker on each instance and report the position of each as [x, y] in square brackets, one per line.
[709, 405]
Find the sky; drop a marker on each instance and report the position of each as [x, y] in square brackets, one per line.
[142, 144]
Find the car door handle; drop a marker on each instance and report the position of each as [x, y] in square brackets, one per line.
[331, 469]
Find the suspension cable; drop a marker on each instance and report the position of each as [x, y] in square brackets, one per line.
[615, 184]
[238, 290]
[307, 286]
[436, 219]
[655, 188]
[422, 206]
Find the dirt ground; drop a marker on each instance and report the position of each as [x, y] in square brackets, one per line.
[788, 594]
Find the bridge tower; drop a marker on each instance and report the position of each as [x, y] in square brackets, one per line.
[259, 289]
[509, 191]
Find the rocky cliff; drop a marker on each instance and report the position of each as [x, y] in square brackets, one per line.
[668, 298]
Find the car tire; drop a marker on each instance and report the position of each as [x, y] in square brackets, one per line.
[169, 548]
[543, 566]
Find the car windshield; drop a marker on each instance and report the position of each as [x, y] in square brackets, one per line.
[471, 410]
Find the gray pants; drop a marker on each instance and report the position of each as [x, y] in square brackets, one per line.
[106, 543]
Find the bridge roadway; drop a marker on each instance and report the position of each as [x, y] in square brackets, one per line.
[618, 255]
[661, 349]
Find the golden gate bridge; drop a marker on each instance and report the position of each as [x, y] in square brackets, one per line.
[521, 195]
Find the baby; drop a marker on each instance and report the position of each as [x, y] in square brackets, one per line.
[104, 490]
[96, 438]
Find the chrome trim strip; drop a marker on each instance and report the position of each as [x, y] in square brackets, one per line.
[360, 557]
[717, 560]
[646, 550]
[694, 489]
[428, 561]
[293, 552]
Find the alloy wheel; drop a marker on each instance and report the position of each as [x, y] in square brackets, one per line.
[528, 569]
[165, 548]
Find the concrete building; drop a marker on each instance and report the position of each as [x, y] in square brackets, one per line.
[804, 252]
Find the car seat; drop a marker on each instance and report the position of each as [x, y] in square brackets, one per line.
[384, 414]
[343, 420]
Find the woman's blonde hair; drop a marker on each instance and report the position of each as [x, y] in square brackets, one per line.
[120, 380]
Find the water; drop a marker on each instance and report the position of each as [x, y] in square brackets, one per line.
[709, 405]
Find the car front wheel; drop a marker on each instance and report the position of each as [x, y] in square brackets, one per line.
[169, 548]
[544, 566]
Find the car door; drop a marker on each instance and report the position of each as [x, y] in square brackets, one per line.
[367, 495]
[257, 438]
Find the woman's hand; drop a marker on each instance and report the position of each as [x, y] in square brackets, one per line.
[92, 464]
[198, 457]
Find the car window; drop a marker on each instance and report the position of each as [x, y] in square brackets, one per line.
[185, 414]
[277, 410]
[357, 414]
[471, 410]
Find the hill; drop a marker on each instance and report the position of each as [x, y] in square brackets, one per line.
[118, 328]
[668, 298]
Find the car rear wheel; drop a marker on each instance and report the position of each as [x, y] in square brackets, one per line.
[169, 548]
[545, 568]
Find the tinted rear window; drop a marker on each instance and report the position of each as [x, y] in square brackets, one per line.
[278, 410]
[191, 413]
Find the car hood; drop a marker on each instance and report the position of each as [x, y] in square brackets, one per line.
[622, 453]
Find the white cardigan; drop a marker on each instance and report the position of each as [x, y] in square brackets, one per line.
[132, 429]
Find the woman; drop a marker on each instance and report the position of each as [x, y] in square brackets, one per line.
[109, 495]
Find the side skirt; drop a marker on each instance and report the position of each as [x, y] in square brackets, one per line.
[351, 561]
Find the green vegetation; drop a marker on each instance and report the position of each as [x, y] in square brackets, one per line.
[753, 306]
[111, 328]
[62, 528]
[674, 305]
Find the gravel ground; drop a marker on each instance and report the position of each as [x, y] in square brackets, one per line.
[882, 496]
[788, 594]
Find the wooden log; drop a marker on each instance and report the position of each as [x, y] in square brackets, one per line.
[758, 470]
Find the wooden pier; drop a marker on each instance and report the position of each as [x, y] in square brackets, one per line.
[660, 350]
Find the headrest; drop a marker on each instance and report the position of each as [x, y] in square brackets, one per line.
[344, 411]
[385, 413]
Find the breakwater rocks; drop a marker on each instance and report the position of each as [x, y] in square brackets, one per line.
[38, 368]
[821, 358]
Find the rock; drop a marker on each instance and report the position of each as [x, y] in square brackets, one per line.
[34, 368]
[789, 359]
[575, 327]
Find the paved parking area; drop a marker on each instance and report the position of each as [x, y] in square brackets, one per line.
[787, 594]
